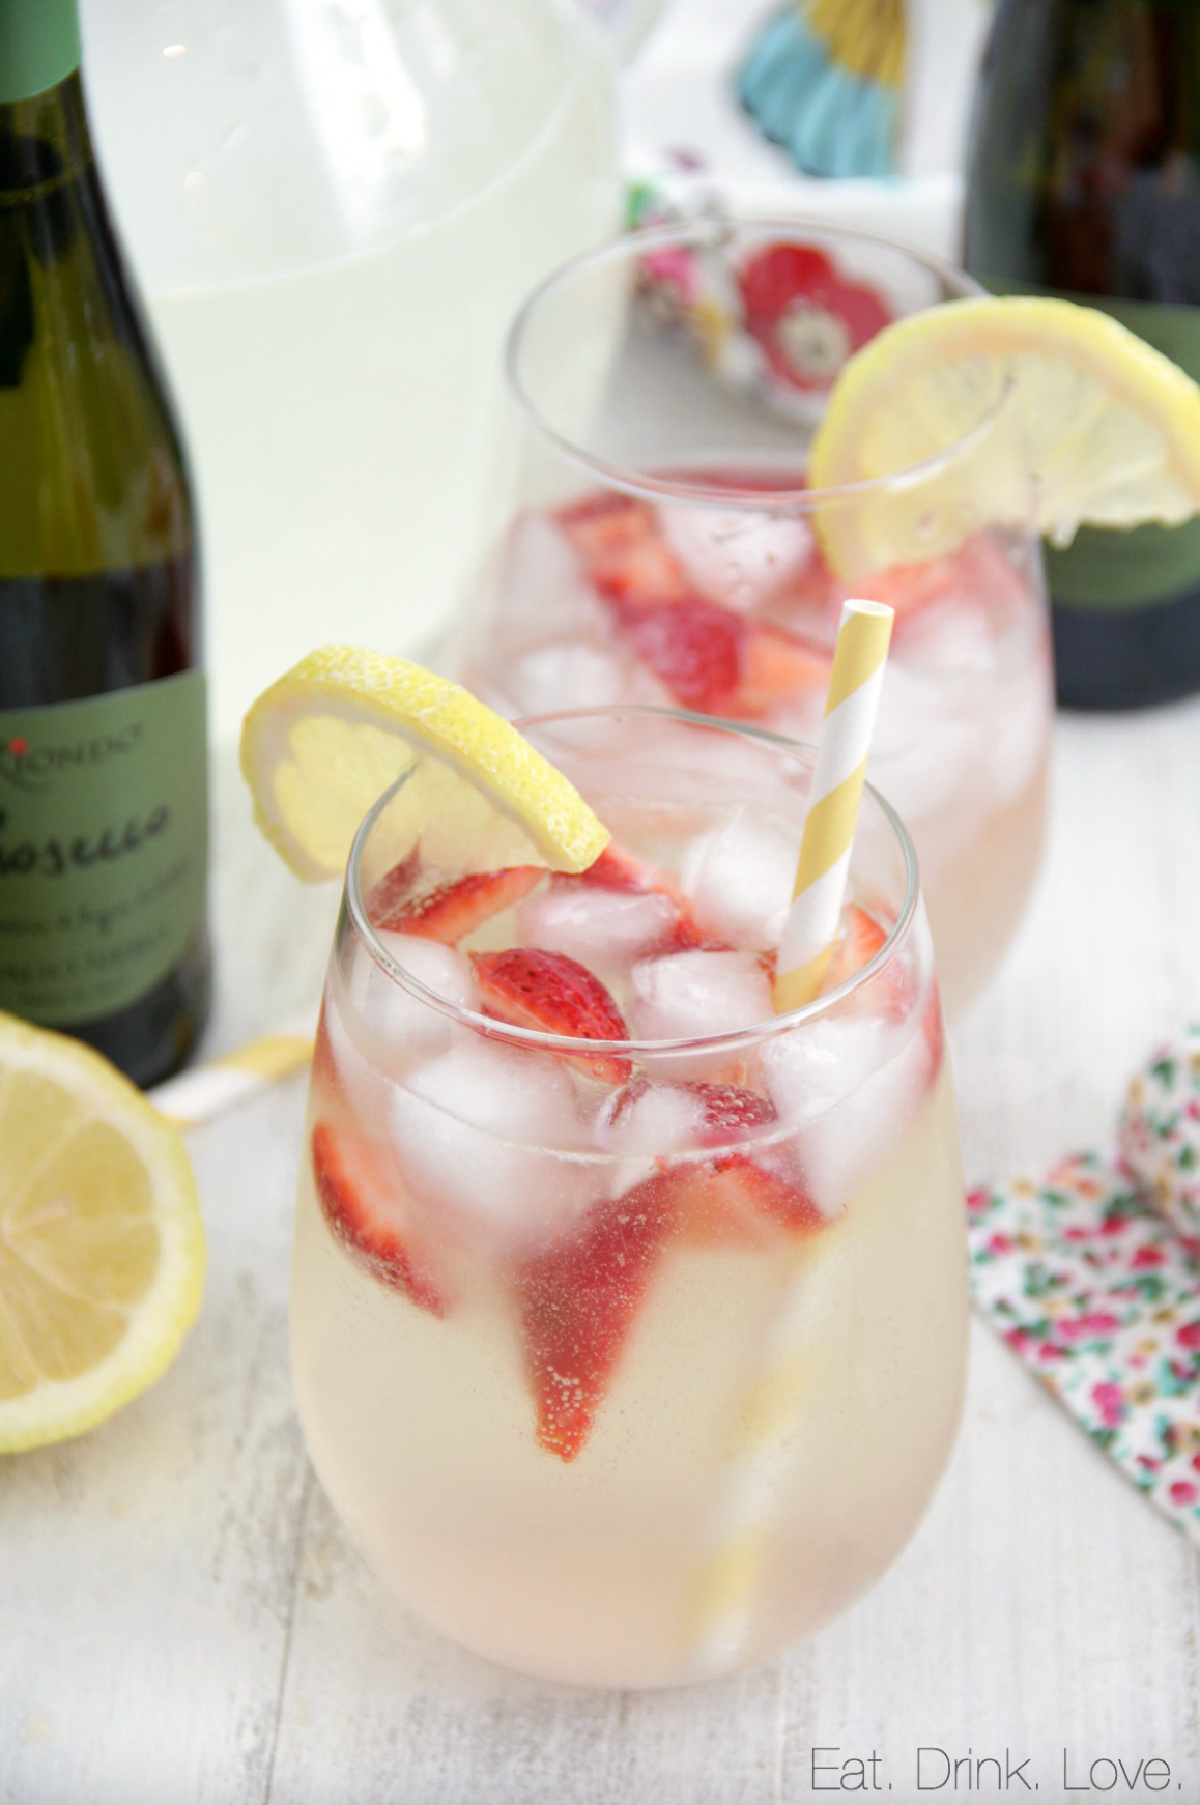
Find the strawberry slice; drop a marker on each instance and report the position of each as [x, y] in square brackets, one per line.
[607, 521]
[860, 941]
[622, 548]
[451, 911]
[578, 1302]
[615, 869]
[910, 587]
[533, 988]
[359, 1206]
[691, 645]
[393, 888]
[775, 668]
[733, 1196]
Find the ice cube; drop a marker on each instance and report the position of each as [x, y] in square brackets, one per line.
[365, 1088]
[740, 879]
[604, 929]
[542, 592]
[951, 637]
[393, 1026]
[650, 1118]
[643, 1121]
[852, 1083]
[695, 993]
[580, 674]
[498, 1136]
[930, 747]
[739, 559]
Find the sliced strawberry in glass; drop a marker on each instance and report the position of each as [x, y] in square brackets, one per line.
[360, 1207]
[452, 910]
[775, 668]
[691, 645]
[861, 938]
[533, 988]
[578, 1303]
[735, 1196]
[394, 888]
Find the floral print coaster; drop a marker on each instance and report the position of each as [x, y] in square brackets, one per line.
[1100, 1296]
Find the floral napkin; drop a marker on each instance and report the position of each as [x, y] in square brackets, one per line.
[1092, 1277]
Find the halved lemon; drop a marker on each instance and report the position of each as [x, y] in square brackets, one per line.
[101, 1240]
[324, 742]
[1016, 410]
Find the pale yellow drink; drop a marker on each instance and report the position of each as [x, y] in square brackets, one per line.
[570, 1345]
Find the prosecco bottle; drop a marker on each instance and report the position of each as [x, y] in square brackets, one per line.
[103, 786]
[1084, 179]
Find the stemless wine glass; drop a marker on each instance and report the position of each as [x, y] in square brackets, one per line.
[628, 1362]
[661, 545]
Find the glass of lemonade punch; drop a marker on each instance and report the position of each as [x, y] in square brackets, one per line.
[680, 531]
[628, 1318]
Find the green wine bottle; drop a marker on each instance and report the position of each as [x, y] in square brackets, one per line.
[103, 782]
[1084, 179]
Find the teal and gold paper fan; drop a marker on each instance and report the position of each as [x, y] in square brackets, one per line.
[825, 79]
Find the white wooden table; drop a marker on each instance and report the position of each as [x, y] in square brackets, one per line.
[182, 1620]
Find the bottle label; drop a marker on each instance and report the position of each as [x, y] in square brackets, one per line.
[1107, 567]
[103, 847]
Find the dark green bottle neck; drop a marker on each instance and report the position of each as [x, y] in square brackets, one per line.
[39, 46]
[44, 142]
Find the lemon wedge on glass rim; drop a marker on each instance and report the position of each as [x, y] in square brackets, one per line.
[101, 1240]
[323, 744]
[1023, 411]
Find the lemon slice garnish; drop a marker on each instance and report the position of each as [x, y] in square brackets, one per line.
[1023, 411]
[323, 744]
[101, 1241]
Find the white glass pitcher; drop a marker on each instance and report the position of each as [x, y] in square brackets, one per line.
[335, 207]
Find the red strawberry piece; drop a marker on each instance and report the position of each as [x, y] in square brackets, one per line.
[734, 1196]
[615, 869]
[607, 521]
[646, 572]
[775, 668]
[908, 588]
[360, 1207]
[393, 888]
[623, 551]
[692, 646]
[451, 911]
[861, 939]
[533, 988]
[578, 1302]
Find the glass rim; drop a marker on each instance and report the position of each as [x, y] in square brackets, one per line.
[575, 1046]
[642, 239]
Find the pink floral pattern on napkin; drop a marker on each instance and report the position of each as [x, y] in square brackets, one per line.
[1100, 1297]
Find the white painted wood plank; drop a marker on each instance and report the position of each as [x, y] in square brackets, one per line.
[145, 1568]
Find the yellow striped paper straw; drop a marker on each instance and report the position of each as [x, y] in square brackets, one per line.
[851, 705]
[730, 1576]
[208, 1090]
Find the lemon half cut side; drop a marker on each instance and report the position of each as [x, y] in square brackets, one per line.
[101, 1239]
